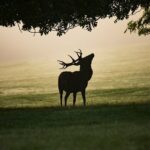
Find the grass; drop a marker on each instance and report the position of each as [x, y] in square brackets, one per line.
[113, 119]
[94, 127]
[105, 96]
[117, 115]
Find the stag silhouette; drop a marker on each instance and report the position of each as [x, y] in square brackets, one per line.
[73, 82]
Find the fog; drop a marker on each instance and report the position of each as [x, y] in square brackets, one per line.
[108, 36]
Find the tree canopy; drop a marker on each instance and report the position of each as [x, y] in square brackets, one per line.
[44, 16]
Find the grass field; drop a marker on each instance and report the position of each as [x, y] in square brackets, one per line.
[117, 115]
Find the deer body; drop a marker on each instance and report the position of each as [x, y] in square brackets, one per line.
[73, 82]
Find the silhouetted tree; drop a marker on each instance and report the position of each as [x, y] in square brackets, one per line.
[44, 16]
[142, 25]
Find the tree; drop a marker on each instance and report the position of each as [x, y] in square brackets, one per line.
[142, 25]
[44, 16]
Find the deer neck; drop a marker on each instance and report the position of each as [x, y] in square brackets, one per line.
[86, 72]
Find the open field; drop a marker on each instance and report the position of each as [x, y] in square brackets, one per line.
[117, 115]
[124, 127]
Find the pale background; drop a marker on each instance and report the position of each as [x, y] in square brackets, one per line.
[108, 36]
[28, 64]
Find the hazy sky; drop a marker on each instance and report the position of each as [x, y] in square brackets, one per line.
[107, 36]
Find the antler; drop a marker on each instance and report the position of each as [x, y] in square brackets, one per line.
[74, 62]
[65, 65]
[79, 54]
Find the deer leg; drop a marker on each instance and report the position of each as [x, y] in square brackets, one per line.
[84, 98]
[66, 97]
[61, 95]
[74, 98]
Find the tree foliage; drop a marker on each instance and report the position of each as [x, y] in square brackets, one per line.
[142, 25]
[44, 16]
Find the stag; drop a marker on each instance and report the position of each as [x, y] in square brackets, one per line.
[73, 82]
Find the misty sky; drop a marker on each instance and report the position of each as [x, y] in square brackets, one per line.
[15, 45]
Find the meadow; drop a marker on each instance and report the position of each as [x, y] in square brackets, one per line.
[117, 115]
